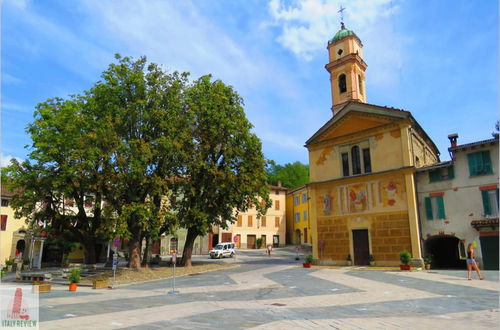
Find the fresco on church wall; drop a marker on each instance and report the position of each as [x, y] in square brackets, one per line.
[372, 196]
[358, 198]
[392, 192]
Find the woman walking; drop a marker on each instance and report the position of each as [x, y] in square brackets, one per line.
[471, 263]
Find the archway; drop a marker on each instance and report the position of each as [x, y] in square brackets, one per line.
[446, 252]
[20, 246]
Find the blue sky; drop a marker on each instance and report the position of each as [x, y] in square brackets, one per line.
[437, 59]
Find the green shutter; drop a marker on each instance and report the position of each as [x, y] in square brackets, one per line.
[428, 208]
[486, 202]
[440, 205]
[473, 164]
[486, 162]
[435, 175]
[451, 172]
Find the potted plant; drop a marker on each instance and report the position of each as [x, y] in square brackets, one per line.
[2, 273]
[348, 260]
[372, 260]
[100, 283]
[405, 258]
[74, 278]
[9, 263]
[308, 261]
[427, 262]
[41, 286]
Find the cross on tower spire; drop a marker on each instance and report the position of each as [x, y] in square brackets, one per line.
[341, 11]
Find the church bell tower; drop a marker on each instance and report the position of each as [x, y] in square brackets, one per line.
[346, 68]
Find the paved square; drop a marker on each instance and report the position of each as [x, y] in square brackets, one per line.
[276, 293]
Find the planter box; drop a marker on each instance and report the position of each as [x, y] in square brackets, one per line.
[306, 265]
[405, 267]
[41, 288]
[100, 284]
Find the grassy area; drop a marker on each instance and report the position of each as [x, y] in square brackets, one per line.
[126, 275]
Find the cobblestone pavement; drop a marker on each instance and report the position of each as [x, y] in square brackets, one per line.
[277, 293]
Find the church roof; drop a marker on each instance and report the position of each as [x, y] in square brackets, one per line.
[370, 108]
[341, 34]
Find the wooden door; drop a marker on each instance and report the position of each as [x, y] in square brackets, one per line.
[227, 237]
[361, 247]
[238, 242]
[251, 242]
[263, 240]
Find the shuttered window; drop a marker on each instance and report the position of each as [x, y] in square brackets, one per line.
[434, 208]
[479, 163]
[276, 221]
[490, 202]
[240, 221]
[263, 221]
[3, 223]
[250, 221]
[276, 205]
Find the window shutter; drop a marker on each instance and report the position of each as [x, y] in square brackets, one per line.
[486, 162]
[440, 205]
[451, 172]
[473, 164]
[250, 221]
[435, 176]
[428, 208]
[486, 202]
[3, 224]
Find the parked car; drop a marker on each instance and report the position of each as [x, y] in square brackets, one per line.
[222, 250]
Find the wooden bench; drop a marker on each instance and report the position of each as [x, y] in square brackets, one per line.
[30, 277]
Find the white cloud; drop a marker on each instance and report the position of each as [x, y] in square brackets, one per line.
[5, 160]
[10, 79]
[307, 25]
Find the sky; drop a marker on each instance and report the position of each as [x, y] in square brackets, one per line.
[437, 59]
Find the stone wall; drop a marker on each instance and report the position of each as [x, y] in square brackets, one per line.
[390, 234]
[335, 235]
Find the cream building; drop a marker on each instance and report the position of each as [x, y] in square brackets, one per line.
[271, 227]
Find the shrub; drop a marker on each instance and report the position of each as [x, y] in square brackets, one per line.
[259, 243]
[405, 257]
[309, 259]
[372, 258]
[349, 257]
[74, 276]
[9, 262]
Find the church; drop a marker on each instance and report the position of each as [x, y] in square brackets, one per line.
[363, 164]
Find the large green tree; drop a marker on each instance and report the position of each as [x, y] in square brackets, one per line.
[291, 175]
[223, 165]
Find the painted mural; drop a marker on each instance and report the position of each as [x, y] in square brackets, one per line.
[392, 193]
[358, 199]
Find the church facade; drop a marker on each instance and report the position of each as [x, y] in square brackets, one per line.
[362, 169]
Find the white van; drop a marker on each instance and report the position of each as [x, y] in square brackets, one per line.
[222, 250]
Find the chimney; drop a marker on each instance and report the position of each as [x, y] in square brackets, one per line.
[453, 139]
[279, 183]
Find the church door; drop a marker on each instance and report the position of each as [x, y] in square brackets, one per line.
[361, 247]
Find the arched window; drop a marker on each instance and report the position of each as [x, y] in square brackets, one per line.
[360, 84]
[355, 159]
[342, 84]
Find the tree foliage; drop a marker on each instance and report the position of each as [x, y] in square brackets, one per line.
[149, 151]
[291, 175]
[223, 164]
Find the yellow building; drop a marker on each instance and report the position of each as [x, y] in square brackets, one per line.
[362, 165]
[12, 230]
[297, 216]
[271, 227]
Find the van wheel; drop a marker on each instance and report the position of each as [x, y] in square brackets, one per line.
[232, 255]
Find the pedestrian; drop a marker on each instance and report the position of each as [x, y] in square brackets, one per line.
[269, 249]
[471, 263]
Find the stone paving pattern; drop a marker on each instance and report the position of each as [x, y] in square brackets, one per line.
[276, 293]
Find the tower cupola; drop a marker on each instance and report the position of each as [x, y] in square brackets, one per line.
[346, 68]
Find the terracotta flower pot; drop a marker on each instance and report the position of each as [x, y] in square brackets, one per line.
[306, 265]
[73, 286]
[405, 267]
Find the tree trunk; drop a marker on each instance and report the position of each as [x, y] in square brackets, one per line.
[89, 252]
[146, 257]
[134, 252]
[188, 247]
